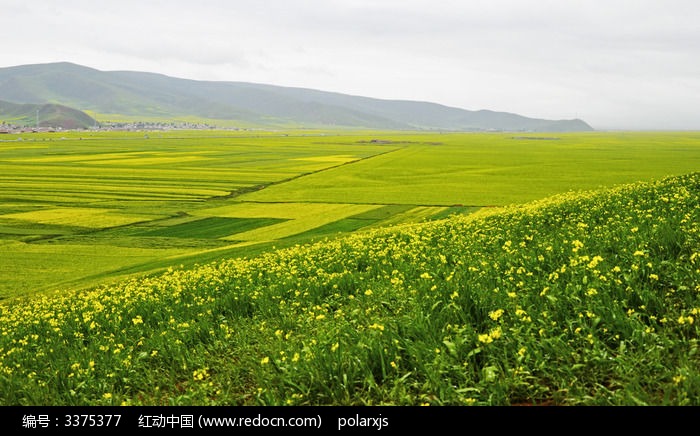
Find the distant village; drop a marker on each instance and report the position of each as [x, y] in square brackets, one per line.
[9, 128]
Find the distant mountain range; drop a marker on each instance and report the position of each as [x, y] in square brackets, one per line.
[155, 96]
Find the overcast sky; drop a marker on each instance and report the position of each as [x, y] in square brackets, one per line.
[616, 64]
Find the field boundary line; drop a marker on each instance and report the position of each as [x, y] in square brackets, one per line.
[260, 187]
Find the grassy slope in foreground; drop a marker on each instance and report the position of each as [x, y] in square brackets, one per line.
[578, 299]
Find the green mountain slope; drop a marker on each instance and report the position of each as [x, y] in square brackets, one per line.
[47, 115]
[155, 95]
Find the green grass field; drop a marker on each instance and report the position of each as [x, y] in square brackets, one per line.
[494, 169]
[142, 198]
[78, 209]
[581, 299]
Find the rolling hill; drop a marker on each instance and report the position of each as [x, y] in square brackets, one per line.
[45, 115]
[149, 95]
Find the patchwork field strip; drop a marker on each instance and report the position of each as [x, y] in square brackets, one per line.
[79, 209]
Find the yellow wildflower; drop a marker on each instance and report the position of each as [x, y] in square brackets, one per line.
[496, 314]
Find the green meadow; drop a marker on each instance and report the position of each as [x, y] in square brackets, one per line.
[494, 169]
[79, 209]
[579, 299]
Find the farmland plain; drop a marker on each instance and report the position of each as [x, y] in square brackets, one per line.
[80, 209]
